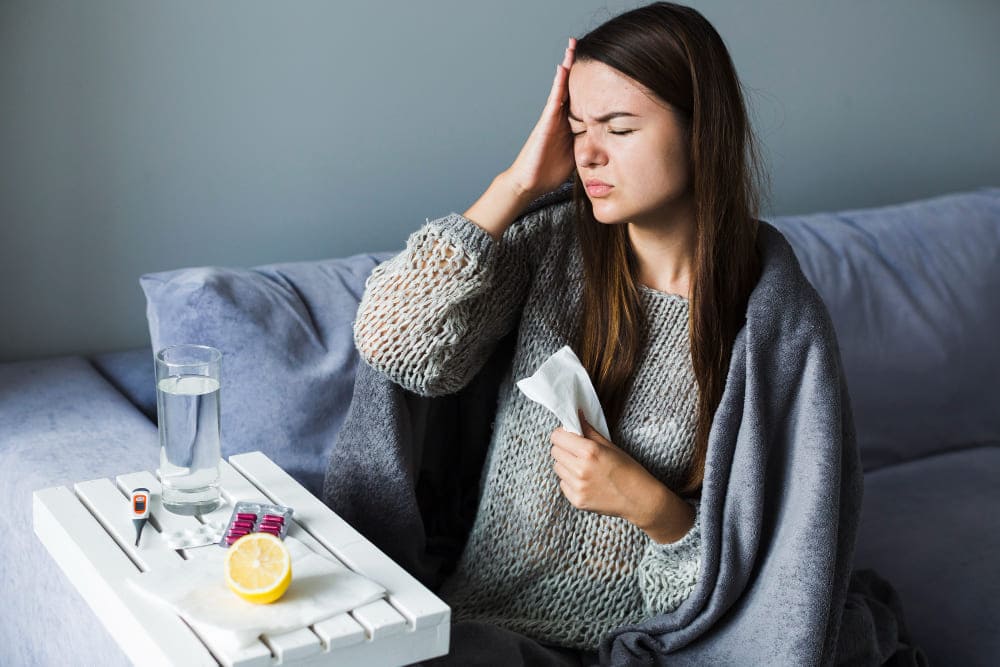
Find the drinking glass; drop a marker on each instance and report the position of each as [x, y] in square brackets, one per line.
[187, 409]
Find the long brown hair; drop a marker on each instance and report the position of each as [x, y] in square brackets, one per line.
[676, 54]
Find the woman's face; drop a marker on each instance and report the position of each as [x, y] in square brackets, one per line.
[643, 155]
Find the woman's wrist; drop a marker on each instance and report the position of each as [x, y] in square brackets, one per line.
[664, 516]
[499, 206]
[523, 195]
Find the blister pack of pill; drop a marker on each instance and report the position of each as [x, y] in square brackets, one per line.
[249, 517]
[206, 533]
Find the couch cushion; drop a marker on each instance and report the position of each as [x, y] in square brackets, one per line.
[912, 291]
[60, 423]
[288, 356]
[927, 526]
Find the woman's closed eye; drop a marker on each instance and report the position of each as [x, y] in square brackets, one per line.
[576, 134]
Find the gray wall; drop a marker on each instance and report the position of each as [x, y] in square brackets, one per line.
[142, 136]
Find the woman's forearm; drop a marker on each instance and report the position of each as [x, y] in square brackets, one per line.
[498, 207]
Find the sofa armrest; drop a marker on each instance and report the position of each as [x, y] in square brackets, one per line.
[131, 373]
[61, 422]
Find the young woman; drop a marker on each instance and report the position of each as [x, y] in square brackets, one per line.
[645, 272]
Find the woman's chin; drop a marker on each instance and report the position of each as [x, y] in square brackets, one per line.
[606, 215]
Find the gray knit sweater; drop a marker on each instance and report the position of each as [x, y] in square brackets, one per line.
[429, 319]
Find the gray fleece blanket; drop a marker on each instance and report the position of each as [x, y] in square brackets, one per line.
[781, 501]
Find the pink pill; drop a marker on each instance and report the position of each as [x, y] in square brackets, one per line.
[246, 515]
[274, 517]
[243, 524]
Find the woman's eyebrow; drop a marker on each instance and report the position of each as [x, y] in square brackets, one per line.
[605, 117]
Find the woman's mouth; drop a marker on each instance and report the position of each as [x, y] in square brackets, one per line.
[598, 189]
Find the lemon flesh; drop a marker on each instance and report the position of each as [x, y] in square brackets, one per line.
[258, 568]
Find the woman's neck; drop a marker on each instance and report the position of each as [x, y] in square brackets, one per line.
[665, 254]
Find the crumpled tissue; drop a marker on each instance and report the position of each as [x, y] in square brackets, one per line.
[562, 385]
[196, 590]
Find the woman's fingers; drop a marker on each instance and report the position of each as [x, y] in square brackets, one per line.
[568, 55]
[566, 459]
[560, 91]
[556, 94]
[546, 158]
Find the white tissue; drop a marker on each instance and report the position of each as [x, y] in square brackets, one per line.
[562, 385]
[196, 590]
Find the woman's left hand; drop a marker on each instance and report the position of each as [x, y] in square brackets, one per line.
[597, 476]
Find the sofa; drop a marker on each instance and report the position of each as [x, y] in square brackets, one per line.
[913, 293]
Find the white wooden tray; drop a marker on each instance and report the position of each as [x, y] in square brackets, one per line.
[90, 535]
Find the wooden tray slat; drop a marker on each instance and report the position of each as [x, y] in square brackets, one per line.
[340, 630]
[379, 619]
[294, 645]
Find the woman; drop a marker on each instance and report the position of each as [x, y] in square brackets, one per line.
[646, 273]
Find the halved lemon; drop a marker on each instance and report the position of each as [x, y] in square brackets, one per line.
[258, 568]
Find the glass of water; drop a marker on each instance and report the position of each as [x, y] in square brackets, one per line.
[187, 411]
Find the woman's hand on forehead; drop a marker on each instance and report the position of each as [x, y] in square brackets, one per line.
[546, 160]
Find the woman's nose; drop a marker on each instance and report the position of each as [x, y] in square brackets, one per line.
[588, 150]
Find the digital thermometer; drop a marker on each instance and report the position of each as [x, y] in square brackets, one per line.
[140, 510]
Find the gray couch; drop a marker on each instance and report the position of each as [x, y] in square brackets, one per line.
[912, 290]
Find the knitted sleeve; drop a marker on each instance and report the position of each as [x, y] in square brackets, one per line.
[430, 316]
[669, 572]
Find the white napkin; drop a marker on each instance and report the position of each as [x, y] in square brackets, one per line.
[562, 385]
[196, 590]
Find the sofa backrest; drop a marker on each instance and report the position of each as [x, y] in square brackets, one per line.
[914, 294]
[912, 291]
